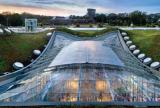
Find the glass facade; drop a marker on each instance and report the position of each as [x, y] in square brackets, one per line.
[86, 83]
[107, 74]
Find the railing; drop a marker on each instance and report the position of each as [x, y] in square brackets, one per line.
[101, 104]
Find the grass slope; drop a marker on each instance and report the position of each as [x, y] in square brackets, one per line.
[148, 41]
[19, 47]
[86, 33]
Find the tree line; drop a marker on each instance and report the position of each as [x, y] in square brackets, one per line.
[136, 18]
[15, 19]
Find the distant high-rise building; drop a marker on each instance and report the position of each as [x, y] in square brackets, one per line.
[91, 13]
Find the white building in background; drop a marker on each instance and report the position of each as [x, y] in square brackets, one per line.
[30, 25]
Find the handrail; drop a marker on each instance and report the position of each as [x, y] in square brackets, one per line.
[69, 104]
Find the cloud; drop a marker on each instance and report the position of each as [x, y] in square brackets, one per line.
[37, 11]
[78, 7]
[52, 2]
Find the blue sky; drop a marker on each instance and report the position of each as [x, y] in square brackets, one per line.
[78, 7]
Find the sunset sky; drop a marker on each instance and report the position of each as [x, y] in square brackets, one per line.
[78, 7]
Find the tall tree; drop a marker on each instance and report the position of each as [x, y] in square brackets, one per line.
[101, 18]
[2, 19]
[15, 20]
[138, 18]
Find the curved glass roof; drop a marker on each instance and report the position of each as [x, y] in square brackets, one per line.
[85, 83]
[86, 52]
[96, 70]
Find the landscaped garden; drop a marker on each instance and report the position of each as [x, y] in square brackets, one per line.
[148, 41]
[19, 47]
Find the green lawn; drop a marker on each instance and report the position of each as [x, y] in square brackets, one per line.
[19, 47]
[148, 41]
[86, 33]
